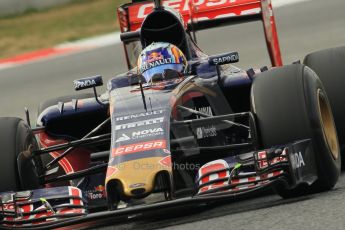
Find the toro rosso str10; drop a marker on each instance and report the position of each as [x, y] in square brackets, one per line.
[214, 132]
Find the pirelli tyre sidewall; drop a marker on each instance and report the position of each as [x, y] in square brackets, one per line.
[17, 172]
[329, 65]
[287, 102]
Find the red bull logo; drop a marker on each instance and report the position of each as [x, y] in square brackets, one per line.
[100, 188]
[154, 56]
[97, 193]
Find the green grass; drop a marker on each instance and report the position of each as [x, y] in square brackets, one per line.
[35, 30]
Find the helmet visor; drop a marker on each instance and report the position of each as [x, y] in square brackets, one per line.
[163, 72]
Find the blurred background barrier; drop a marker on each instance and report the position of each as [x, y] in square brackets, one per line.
[12, 7]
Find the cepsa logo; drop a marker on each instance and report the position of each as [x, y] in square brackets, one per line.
[139, 147]
[182, 6]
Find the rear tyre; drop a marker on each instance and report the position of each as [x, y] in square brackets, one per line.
[290, 104]
[17, 171]
[329, 65]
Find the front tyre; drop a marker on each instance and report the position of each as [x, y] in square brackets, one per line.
[291, 104]
[17, 171]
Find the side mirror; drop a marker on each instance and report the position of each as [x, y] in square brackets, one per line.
[222, 59]
[89, 82]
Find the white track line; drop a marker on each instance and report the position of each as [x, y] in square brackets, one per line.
[99, 41]
[6, 66]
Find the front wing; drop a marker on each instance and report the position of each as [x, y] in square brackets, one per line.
[289, 165]
[40, 207]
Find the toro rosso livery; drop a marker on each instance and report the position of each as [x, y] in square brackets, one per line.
[179, 128]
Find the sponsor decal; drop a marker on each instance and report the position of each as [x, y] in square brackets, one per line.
[137, 185]
[100, 188]
[97, 193]
[86, 83]
[140, 134]
[8, 206]
[206, 132]
[262, 156]
[139, 147]
[206, 110]
[263, 161]
[123, 137]
[166, 161]
[140, 123]
[167, 151]
[150, 113]
[231, 58]
[147, 133]
[111, 170]
[152, 64]
[182, 6]
[155, 56]
[298, 160]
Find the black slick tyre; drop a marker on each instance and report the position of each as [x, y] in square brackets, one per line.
[17, 171]
[329, 65]
[290, 104]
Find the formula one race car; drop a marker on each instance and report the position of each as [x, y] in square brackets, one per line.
[210, 132]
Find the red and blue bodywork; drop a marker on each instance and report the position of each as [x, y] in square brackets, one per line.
[192, 139]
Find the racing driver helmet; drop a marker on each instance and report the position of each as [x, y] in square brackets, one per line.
[161, 61]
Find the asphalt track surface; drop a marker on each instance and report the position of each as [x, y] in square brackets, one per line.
[302, 27]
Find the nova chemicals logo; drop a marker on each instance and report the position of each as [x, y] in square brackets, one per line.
[123, 137]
